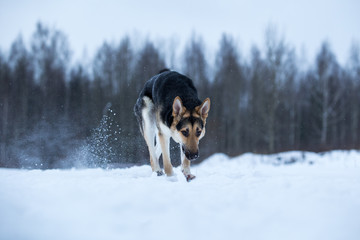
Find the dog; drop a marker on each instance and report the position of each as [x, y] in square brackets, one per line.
[168, 107]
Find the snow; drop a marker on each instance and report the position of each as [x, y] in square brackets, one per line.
[292, 195]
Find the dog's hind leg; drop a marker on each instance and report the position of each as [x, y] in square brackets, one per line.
[165, 145]
[149, 132]
[157, 146]
[185, 166]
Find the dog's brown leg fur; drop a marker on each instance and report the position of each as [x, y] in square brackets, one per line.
[185, 167]
[165, 144]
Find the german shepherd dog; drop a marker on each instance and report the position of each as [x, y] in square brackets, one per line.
[168, 106]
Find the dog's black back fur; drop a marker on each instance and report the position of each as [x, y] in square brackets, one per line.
[162, 89]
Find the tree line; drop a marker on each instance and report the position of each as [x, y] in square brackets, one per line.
[53, 113]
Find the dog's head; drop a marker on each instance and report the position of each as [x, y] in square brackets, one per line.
[189, 126]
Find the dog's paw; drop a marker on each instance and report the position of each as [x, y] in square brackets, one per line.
[172, 178]
[159, 173]
[189, 177]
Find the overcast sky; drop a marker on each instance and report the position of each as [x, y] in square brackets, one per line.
[87, 23]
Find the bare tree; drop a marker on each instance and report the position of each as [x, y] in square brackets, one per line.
[104, 69]
[328, 90]
[227, 89]
[257, 101]
[275, 51]
[355, 96]
[123, 70]
[5, 81]
[22, 85]
[51, 53]
[195, 65]
[289, 106]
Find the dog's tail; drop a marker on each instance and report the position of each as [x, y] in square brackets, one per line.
[164, 70]
[137, 111]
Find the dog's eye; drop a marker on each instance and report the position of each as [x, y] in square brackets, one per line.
[198, 132]
[185, 132]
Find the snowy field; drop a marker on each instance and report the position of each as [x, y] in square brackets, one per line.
[247, 197]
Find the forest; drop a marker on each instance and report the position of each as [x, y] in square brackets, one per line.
[59, 114]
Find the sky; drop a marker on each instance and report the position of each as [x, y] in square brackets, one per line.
[303, 24]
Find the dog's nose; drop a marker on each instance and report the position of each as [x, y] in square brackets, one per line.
[192, 156]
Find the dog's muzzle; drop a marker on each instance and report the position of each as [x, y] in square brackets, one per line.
[190, 155]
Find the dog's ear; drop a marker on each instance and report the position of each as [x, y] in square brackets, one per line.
[204, 108]
[178, 107]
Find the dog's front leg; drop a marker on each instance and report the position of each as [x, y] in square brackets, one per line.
[165, 145]
[185, 167]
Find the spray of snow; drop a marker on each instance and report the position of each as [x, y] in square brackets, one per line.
[97, 151]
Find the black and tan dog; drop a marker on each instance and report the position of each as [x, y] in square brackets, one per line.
[168, 106]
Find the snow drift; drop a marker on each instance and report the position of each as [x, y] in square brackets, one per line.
[247, 197]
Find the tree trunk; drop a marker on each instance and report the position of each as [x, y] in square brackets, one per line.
[325, 112]
[354, 124]
[4, 128]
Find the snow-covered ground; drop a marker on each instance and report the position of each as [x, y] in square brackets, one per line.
[247, 197]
